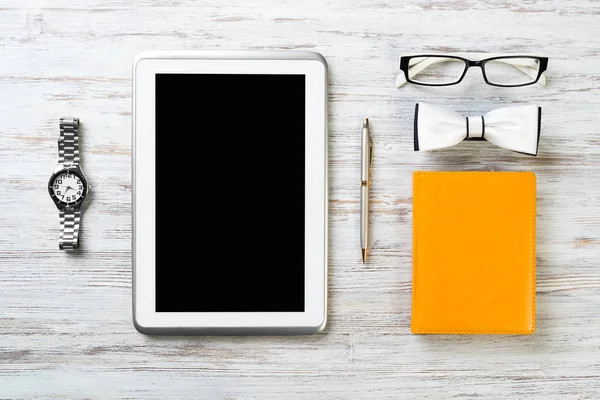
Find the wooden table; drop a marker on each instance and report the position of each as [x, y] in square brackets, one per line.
[65, 319]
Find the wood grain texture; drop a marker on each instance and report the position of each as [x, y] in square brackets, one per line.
[65, 319]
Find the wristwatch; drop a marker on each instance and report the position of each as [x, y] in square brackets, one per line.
[68, 186]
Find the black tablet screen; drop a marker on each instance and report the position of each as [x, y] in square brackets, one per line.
[230, 193]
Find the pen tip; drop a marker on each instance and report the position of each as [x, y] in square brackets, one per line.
[364, 255]
[366, 123]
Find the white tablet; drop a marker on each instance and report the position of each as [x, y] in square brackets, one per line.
[229, 192]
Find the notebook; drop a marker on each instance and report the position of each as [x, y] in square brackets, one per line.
[473, 253]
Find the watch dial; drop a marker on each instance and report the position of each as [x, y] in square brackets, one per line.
[68, 187]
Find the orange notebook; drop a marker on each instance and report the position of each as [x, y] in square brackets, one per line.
[473, 252]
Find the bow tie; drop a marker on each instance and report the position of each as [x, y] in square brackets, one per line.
[513, 128]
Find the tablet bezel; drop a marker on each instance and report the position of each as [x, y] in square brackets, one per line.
[146, 66]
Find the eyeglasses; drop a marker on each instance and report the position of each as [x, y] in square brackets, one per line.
[441, 70]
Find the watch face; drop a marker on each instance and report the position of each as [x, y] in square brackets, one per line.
[67, 188]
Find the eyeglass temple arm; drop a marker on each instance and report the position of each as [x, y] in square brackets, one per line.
[529, 69]
[416, 69]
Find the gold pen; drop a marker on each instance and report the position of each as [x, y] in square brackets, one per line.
[365, 183]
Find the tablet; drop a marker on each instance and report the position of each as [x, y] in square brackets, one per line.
[229, 192]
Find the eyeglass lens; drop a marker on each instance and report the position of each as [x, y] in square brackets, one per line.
[512, 71]
[436, 70]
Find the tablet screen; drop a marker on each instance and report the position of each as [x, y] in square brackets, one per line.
[230, 169]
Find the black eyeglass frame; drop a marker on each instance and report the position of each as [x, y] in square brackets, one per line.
[405, 61]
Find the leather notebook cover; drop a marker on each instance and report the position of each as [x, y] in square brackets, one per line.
[473, 252]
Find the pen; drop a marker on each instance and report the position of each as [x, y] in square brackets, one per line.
[365, 182]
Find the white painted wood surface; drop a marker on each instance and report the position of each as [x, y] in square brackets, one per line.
[65, 319]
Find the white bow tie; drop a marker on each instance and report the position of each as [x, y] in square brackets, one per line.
[513, 128]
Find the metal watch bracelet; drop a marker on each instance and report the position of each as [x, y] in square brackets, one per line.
[69, 230]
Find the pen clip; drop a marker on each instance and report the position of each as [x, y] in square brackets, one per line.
[370, 160]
